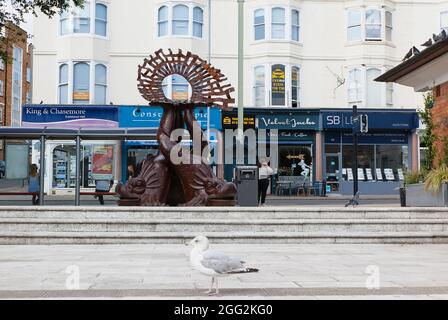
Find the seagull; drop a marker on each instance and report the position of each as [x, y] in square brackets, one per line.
[408, 55]
[353, 201]
[415, 51]
[441, 36]
[427, 43]
[214, 263]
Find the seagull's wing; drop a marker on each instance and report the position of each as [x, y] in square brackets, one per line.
[220, 262]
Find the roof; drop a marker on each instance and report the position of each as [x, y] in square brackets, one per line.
[429, 54]
[85, 134]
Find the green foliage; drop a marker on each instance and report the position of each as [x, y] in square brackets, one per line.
[436, 177]
[22, 7]
[429, 137]
[412, 178]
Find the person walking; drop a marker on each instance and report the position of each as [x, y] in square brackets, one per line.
[34, 183]
[264, 174]
[103, 186]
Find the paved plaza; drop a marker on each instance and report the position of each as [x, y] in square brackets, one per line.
[331, 271]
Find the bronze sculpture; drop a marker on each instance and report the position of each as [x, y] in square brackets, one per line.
[188, 181]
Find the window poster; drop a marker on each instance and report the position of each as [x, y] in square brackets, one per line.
[102, 162]
[278, 85]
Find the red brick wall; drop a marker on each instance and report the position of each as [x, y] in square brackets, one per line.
[18, 38]
[440, 118]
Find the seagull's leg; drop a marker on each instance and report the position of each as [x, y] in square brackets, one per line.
[211, 288]
[217, 290]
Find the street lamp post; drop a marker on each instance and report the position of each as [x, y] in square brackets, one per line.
[355, 123]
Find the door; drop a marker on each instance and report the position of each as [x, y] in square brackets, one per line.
[333, 170]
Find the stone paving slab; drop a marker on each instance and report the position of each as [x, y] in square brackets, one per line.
[152, 271]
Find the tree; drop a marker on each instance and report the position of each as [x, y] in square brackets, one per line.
[16, 12]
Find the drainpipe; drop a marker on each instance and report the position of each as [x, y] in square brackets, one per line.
[240, 71]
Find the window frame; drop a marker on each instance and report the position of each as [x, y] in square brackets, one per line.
[268, 24]
[283, 24]
[385, 28]
[268, 84]
[197, 22]
[440, 20]
[92, 22]
[187, 19]
[255, 25]
[100, 84]
[255, 86]
[191, 21]
[105, 21]
[159, 21]
[295, 26]
[92, 80]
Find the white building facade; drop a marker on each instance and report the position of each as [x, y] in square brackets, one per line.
[328, 51]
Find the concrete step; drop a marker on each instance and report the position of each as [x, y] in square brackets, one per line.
[223, 225]
[222, 213]
[47, 238]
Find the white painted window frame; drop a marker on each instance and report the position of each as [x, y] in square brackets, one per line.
[92, 13]
[92, 65]
[364, 38]
[191, 6]
[268, 24]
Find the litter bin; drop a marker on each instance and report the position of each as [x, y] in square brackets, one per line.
[403, 197]
[246, 179]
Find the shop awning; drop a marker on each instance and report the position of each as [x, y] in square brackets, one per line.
[85, 134]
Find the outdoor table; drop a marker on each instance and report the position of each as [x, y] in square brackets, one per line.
[285, 183]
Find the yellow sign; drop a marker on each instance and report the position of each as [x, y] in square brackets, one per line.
[180, 95]
[81, 95]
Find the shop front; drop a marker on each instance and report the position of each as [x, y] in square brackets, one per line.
[134, 152]
[286, 138]
[100, 159]
[385, 153]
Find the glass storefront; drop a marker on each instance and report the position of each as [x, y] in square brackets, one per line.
[376, 162]
[295, 160]
[94, 162]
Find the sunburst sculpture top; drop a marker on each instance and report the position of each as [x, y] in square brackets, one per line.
[207, 83]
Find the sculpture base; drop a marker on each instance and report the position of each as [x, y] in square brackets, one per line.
[221, 203]
[128, 202]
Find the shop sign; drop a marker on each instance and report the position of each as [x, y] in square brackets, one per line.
[278, 85]
[297, 122]
[231, 122]
[69, 116]
[81, 95]
[368, 138]
[149, 117]
[292, 135]
[377, 120]
[102, 162]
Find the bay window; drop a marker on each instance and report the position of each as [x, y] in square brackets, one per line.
[282, 87]
[78, 20]
[364, 91]
[278, 23]
[82, 82]
[371, 24]
[186, 19]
